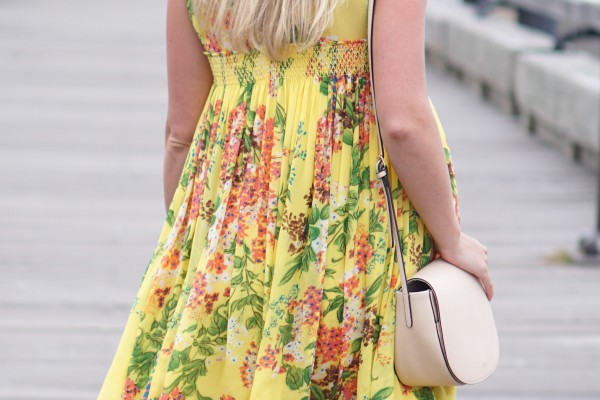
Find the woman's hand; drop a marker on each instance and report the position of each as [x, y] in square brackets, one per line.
[470, 255]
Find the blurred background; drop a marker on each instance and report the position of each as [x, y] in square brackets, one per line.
[82, 110]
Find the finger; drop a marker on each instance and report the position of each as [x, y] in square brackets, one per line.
[489, 286]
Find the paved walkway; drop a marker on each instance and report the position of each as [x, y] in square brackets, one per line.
[82, 106]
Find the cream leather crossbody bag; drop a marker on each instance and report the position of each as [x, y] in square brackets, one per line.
[445, 330]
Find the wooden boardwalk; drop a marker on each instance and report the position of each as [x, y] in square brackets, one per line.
[82, 107]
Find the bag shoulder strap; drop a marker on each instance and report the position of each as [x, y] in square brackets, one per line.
[382, 173]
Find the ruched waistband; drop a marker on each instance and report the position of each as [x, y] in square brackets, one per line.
[327, 58]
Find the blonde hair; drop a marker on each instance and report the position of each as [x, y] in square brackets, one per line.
[271, 26]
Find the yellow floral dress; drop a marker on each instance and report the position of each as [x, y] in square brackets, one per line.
[273, 277]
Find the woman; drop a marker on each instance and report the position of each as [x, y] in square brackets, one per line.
[273, 277]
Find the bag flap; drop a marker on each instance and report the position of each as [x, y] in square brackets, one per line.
[467, 323]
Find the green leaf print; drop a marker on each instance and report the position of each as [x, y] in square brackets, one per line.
[294, 377]
[376, 328]
[252, 322]
[347, 137]
[251, 117]
[185, 178]
[424, 393]
[375, 221]
[218, 325]
[177, 358]
[447, 152]
[247, 142]
[383, 393]
[413, 225]
[286, 332]
[325, 212]
[364, 180]
[396, 192]
[335, 304]
[170, 217]
[201, 397]
[280, 119]
[307, 372]
[355, 347]
[141, 365]
[190, 374]
[342, 240]
[313, 218]
[299, 264]
[205, 350]
[427, 244]
[187, 246]
[313, 232]
[353, 200]
[316, 393]
[324, 87]
[373, 289]
[349, 108]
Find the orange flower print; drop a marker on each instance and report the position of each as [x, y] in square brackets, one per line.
[364, 134]
[329, 343]
[198, 291]
[196, 198]
[171, 259]
[362, 249]
[174, 395]
[269, 358]
[350, 285]
[212, 45]
[130, 391]
[235, 125]
[248, 365]
[160, 294]
[226, 397]
[322, 160]
[259, 250]
[209, 300]
[312, 305]
[393, 281]
[169, 349]
[349, 388]
[215, 125]
[217, 263]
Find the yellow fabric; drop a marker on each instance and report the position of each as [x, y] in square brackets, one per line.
[273, 277]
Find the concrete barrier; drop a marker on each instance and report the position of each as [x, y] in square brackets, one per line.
[558, 94]
[487, 49]
[437, 21]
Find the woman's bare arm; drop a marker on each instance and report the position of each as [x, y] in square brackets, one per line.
[410, 132]
[189, 83]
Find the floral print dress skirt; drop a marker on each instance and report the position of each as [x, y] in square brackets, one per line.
[273, 276]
